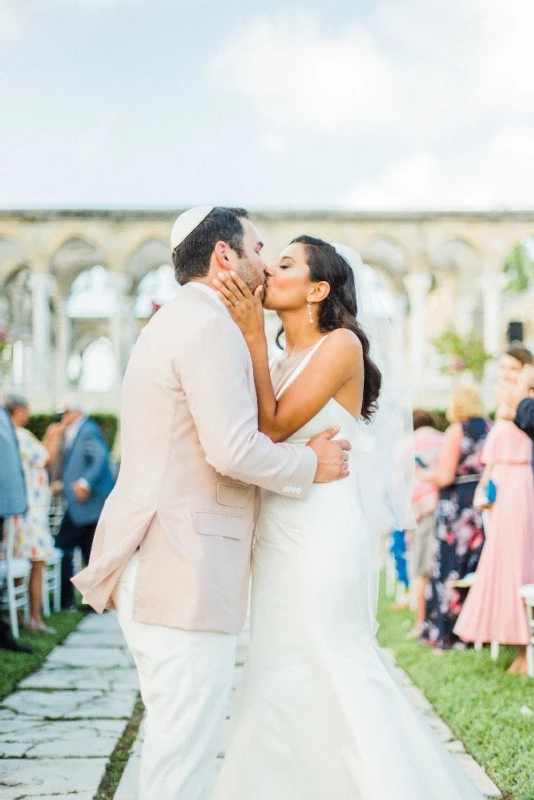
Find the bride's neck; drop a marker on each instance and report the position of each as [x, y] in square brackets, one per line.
[299, 334]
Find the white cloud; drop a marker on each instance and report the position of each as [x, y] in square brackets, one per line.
[500, 174]
[90, 5]
[273, 143]
[297, 77]
[448, 87]
[411, 68]
[10, 21]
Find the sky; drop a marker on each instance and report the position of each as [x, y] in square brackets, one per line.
[344, 104]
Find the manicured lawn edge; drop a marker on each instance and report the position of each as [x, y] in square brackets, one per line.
[121, 754]
[486, 708]
[16, 666]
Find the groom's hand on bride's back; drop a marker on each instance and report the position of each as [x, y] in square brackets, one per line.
[332, 456]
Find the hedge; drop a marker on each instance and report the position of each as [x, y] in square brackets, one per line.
[109, 423]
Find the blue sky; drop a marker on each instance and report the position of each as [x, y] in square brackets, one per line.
[169, 103]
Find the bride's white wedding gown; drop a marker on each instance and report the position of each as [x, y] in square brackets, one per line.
[319, 714]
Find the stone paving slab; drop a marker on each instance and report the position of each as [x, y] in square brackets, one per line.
[94, 639]
[110, 680]
[478, 775]
[80, 704]
[50, 779]
[100, 623]
[103, 658]
[25, 738]
[58, 730]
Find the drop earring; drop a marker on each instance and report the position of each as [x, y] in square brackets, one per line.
[310, 313]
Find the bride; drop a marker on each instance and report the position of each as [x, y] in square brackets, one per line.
[319, 714]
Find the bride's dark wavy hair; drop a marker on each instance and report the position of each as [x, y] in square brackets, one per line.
[339, 309]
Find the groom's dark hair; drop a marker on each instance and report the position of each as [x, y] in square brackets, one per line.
[191, 258]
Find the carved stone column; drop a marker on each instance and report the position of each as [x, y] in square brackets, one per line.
[119, 282]
[41, 286]
[63, 340]
[417, 286]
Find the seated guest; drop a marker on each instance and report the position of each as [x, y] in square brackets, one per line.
[13, 499]
[87, 481]
[459, 531]
[428, 442]
[34, 541]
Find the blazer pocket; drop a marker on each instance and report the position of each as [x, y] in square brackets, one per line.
[234, 495]
[230, 526]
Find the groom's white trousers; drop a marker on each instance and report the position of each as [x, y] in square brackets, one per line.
[186, 679]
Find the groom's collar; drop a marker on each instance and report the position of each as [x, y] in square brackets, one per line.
[210, 292]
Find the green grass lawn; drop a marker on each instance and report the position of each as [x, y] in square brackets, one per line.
[15, 666]
[475, 697]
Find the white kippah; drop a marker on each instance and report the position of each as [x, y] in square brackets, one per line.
[187, 222]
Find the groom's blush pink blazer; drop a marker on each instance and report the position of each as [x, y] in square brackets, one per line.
[191, 455]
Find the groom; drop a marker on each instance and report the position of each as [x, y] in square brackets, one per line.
[173, 546]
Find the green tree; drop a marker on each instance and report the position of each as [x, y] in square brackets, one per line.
[461, 353]
[519, 267]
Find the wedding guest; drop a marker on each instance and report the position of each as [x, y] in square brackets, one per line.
[512, 362]
[428, 442]
[87, 481]
[13, 501]
[493, 610]
[34, 541]
[517, 401]
[459, 531]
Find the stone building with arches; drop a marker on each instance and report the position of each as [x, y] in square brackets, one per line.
[77, 286]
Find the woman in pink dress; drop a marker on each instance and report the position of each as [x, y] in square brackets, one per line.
[493, 610]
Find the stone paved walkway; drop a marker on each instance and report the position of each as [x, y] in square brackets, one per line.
[59, 728]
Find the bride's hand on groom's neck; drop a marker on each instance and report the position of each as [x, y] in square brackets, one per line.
[245, 308]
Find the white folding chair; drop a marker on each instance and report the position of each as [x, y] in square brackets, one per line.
[52, 582]
[14, 580]
[527, 593]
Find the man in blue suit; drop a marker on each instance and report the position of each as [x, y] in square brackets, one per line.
[87, 481]
[13, 498]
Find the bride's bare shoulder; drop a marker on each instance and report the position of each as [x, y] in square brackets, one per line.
[343, 340]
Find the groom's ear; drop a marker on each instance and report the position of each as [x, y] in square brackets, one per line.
[222, 252]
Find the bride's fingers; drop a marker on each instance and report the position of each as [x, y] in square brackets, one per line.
[225, 290]
[226, 302]
[230, 284]
[241, 285]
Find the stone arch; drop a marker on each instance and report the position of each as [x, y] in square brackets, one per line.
[385, 254]
[456, 264]
[12, 257]
[457, 254]
[155, 288]
[92, 295]
[17, 302]
[149, 255]
[74, 256]
[98, 366]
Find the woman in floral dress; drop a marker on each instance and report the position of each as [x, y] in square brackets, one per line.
[33, 539]
[459, 531]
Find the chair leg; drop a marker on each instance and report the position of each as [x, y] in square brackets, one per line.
[57, 587]
[494, 651]
[13, 619]
[478, 646]
[530, 659]
[26, 607]
[46, 592]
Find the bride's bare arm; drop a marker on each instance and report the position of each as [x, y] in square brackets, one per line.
[336, 369]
